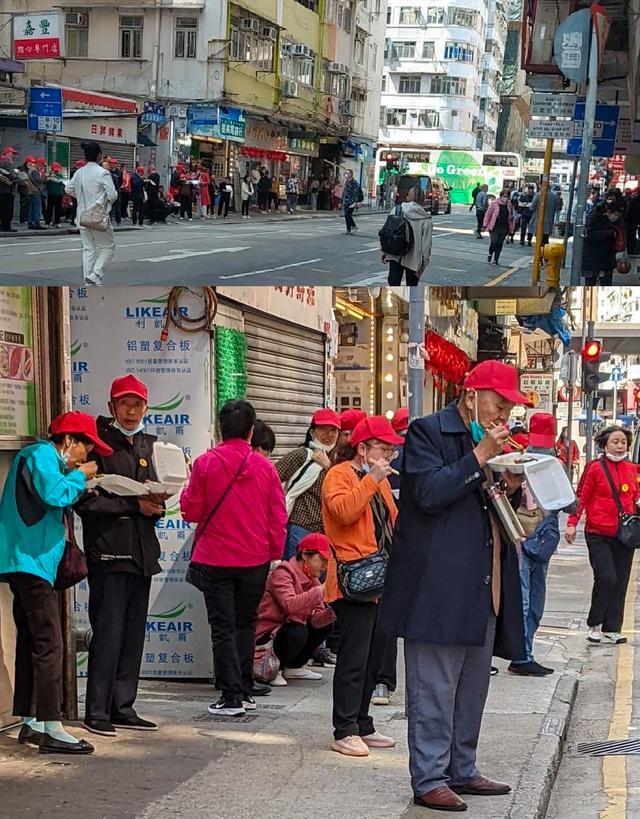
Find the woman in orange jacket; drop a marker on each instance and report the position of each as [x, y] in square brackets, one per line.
[359, 513]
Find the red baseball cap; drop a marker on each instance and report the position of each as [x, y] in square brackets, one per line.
[139, 169]
[9, 150]
[315, 542]
[40, 160]
[80, 163]
[79, 423]
[349, 419]
[56, 166]
[542, 430]
[325, 418]
[375, 427]
[129, 385]
[29, 159]
[400, 420]
[499, 377]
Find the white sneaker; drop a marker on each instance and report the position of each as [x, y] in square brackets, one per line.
[279, 680]
[301, 674]
[595, 634]
[613, 637]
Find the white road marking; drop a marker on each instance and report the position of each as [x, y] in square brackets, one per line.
[368, 250]
[270, 269]
[176, 255]
[76, 249]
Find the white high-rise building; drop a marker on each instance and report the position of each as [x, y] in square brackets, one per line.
[433, 73]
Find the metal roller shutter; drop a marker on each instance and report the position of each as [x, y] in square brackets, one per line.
[123, 153]
[285, 376]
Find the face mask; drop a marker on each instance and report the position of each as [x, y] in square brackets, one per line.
[318, 445]
[616, 458]
[365, 467]
[129, 433]
[475, 427]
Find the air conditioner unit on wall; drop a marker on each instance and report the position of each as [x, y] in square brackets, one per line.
[289, 88]
[301, 50]
[338, 68]
[74, 18]
[250, 24]
[270, 33]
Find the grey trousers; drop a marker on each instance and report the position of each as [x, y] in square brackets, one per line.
[446, 690]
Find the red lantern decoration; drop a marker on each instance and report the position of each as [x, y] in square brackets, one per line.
[447, 363]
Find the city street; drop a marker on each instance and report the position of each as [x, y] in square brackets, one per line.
[266, 250]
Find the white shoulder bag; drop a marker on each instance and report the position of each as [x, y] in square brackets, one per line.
[96, 217]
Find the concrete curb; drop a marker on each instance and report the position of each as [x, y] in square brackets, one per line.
[533, 790]
[71, 231]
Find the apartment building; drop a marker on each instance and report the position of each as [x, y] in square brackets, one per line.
[491, 78]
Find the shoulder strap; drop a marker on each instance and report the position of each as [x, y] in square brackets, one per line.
[614, 489]
[201, 527]
[301, 472]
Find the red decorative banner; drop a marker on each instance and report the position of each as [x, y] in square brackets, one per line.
[261, 153]
[447, 363]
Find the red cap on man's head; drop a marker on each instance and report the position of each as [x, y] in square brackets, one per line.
[542, 430]
[400, 420]
[29, 160]
[349, 419]
[9, 150]
[129, 385]
[499, 377]
[325, 418]
[40, 160]
[315, 542]
[375, 427]
[79, 423]
[139, 170]
[56, 166]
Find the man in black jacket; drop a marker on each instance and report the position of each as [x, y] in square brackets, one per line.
[122, 554]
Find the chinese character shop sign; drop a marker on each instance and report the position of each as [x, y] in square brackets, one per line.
[38, 36]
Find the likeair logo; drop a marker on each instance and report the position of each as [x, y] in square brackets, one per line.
[152, 309]
[173, 521]
[78, 367]
[168, 621]
[166, 415]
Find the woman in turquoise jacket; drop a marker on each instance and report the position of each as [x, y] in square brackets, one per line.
[45, 479]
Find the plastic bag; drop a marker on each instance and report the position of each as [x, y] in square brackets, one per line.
[265, 663]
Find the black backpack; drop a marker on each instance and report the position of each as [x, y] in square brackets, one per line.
[396, 235]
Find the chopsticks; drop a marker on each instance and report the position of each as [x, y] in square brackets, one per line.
[515, 445]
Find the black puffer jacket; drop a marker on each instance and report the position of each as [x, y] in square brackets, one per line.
[598, 253]
[116, 536]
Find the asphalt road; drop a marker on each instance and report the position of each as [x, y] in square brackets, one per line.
[263, 251]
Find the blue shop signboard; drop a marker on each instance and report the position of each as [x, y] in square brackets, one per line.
[219, 121]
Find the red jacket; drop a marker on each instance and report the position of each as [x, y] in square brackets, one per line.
[250, 526]
[595, 496]
[491, 216]
[291, 597]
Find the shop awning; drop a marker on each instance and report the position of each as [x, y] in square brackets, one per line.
[96, 100]
[145, 141]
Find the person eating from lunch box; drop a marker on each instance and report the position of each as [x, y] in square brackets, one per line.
[122, 550]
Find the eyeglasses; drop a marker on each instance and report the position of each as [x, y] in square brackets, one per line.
[388, 453]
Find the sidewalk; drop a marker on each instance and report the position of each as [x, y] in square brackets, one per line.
[275, 763]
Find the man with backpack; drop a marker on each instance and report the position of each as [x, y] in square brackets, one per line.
[352, 195]
[405, 240]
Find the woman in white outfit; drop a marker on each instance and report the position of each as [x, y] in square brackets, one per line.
[92, 186]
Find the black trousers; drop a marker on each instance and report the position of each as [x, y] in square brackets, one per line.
[354, 676]
[384, 659]
[480, 214]
[246, 204]
[6, 210]
[152, 205]
[118, 605]
[186, 206]
[295, 643]
[124, 204]
[39, 648]
[232, 596]
[497, 241]
[137, 211]
[592, 279]
[263, 200]
[396, 272]
[348, 218]
[54, 209]
[611, 564]
[223, 204]
[525, 218]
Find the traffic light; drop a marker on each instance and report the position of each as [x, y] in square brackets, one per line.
[392, 163]
[592, 357]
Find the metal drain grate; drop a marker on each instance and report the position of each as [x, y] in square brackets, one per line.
[271, 706]
[610, 747]
[221, 718]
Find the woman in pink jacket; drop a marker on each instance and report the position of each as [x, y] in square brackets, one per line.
[236, 498]
[500, 221]
[293, 613]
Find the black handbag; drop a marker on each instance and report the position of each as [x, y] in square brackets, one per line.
[628, 525]
[362, 580]
[73, 565]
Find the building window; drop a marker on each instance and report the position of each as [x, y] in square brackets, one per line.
[77, 33]
[429, 119]
[462, 52]
[448, 85]
[300, 69]
[410, 16]
[340, 12]
[359, 51]
[249, 46]
[389, 10]
[186, 38]
[131, 37]
[409, 84]
[403, 50]
[435, 16]
[384, 83]
[462, 17]
[309, 4]
[396, 116]
[428, 51]
[336, 85]
[374, 56]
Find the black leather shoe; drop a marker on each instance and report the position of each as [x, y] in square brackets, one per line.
[260, 689]
[28, 736]
[49, 745]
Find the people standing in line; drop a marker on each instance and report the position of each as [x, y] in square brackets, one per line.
[302, 472]
[474, 194]
[41, 163]
[122, 550]
[412, 265]
[598, 248]
[205, 196]
[566, 453]
[55, 194]
[236, 498]
[610, 559]
[293, 191]
[352, 196]
[292, 611]
[225, 193]
[482, 205]
[93, 189]
[8, 187]
[152, 188]
[324, 194]
[274, 193]
[314, 190]
[349, 420]
[453, 588]
[550, 210]
[138, 193]
[22, 175]
[116, 175]
[185, 195]
[44, 480]
[247, 193]
[125, 191]
[499, 220]
[359, 514]
[35, 185]
[264, 188]
[525, 198]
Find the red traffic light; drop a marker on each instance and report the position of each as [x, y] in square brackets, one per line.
[390, 157]
[591, 350]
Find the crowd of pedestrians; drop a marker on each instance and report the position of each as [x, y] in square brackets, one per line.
[610, 234]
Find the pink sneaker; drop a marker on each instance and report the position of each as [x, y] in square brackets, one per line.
[377, 740]
[350, 746]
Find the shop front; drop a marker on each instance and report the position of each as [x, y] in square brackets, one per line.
[303, 149]
[212, 134]
[117, 135]
[265, 146]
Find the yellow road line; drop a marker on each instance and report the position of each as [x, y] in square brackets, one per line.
[614, 768]
[502, 277]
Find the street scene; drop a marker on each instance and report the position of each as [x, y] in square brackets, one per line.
[190, 387]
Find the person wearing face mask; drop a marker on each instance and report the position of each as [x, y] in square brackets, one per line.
[453, 586]
[45, 479]
[302, 472]
[359, 514]
[500, 221]
[610, 559]
[122, 550]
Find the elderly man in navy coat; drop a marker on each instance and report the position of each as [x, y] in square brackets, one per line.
[453, 588]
